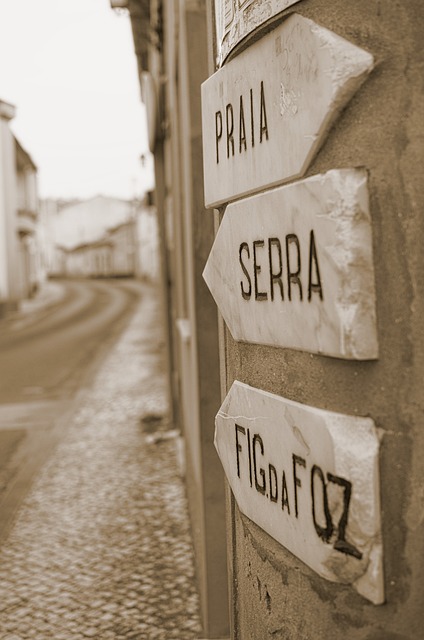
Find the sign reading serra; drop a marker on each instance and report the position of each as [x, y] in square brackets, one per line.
[292, 267]
[310, 479]
[265, 113]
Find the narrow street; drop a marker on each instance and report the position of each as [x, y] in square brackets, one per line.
[46, 356]
[98, 541]
[44, 353]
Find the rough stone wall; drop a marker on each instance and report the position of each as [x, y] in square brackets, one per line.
[275, 595]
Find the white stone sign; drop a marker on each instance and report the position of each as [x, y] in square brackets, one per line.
[235, 19]
[265, 113]
[292, 267]
[310, 479]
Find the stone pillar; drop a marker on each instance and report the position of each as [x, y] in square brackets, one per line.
[313, 145]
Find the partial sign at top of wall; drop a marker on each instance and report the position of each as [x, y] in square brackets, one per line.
[265, 113]
[235, 19]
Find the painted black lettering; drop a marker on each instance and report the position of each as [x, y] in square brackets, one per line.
[242, 430]
[249, 450]
[293, 277]
[326, 532]
[285, 494]
[316, 286]
[252, 119]
[297, 460]
[259, 295]
[275, 277]
[242, 128]
[229, 121]
[261, 487]
[263, 119]
[273, 483]
[245, 293]
[341, 543]
[218, 132]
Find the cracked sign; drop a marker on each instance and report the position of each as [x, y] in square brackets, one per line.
[266, 113]
[292, 267]
[310, 479]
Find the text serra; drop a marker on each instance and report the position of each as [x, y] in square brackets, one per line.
[274, 268]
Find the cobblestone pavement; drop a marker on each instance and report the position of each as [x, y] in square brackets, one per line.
[101, 547]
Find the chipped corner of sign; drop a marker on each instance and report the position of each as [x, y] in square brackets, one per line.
[357, 313]
[351, 253]
[348, 60]
[358, 323]
[349, 182]
[348, 204]
[358, 328]
[371, 584]
[367, 578]
[356, 445]
[349, 64]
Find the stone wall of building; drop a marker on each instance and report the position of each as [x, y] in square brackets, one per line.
[378, 130]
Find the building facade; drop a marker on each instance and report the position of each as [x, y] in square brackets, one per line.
[21, 269]
[171, 46]
[307, 118]
[31, 269]
[100, 237]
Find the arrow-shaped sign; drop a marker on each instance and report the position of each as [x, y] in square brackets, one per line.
[265, 113]
[292, 267]
[310, 479]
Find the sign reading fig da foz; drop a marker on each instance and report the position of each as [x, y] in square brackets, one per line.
[292, 267]
[310, 479]
[265, 113]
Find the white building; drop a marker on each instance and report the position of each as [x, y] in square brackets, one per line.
[88, 220]
[31, 270]
[20, 267]
[100, 237]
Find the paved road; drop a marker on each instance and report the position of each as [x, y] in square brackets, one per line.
[101, 546]
[43, 354]
[47, 353]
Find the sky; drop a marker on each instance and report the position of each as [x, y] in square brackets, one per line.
[70, 69]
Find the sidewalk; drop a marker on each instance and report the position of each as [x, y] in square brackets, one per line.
[101, 548]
